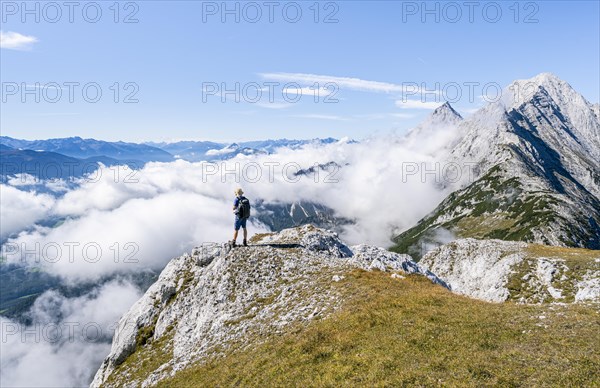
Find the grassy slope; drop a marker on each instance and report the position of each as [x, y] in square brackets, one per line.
[395, 332]
[574, 265]
[493, 207]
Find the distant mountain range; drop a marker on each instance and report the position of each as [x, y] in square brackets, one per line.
[53, 165]
[73, 157]
[195, 151]
[76, 147]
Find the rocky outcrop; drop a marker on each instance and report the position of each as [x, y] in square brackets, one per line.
[497, 271]
[217, 298]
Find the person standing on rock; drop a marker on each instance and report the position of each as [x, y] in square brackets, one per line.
[241, 209]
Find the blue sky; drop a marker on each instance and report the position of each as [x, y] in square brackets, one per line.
[372, 57]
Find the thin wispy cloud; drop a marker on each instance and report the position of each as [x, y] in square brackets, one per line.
[274, 105]
[416, 104]
[310, 91]
[384, 116]
[469, 111]
[341, 82]
[15, 41]
[322, 117]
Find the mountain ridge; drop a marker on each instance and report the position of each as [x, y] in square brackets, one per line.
[217, 304]
[214, 296]
[78, 147]
[536, 175]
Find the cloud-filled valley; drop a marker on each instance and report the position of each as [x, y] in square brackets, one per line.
[118, 221]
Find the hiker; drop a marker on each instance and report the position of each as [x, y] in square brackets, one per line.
[241, 209]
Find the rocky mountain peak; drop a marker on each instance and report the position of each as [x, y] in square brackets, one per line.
[572, 108]
[543, 109]
[446, 113]
[522, 90]
[442, 116]
[535, 156]
[437, 133]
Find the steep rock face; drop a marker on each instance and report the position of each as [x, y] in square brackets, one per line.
[536, 162]
[544, 107]
[498, 271]
[218, 297]
[596, 108]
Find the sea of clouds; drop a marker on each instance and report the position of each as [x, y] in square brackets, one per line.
[118, 222]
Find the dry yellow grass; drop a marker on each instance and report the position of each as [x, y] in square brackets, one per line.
[410, 332]
[580, 254]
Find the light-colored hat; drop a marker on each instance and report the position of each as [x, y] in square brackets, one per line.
[238, 191]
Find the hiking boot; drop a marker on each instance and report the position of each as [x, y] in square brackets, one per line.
[233, 244]
[245, 243]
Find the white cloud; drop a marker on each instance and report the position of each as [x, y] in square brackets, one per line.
[67, 340]
[309, 92]
[166, 209]
[22, 180]
[341, 82]
[142, 233]
[221, 151]
[384, 116]
[416, 104]
[21, 209]
[468, 111]
[15, 41]
[275, 105]
[322, 117]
